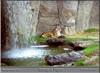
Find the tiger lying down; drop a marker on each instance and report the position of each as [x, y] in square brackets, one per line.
[63, 58]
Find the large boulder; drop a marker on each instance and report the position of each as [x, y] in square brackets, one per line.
[61, 41]
[63, 58]
[55, 42]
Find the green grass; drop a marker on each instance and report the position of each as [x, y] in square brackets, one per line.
[88, 34]
[76, 39]
[37, 39]
[92, 30]
[91, 49]
[88, 51]
[79, 63]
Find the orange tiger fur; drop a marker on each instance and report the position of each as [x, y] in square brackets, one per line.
[54, 33]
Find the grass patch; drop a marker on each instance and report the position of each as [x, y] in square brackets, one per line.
[91, 49]
[40, 39]
[74, 39]
[92, 30]
[79, 63]
[37, 39]
[84, 36]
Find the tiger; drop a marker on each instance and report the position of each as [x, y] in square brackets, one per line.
[56, 32]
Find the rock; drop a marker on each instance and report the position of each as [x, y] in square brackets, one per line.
[78, 48]
[55, 42]
[67, 50]
[62, 58]
[61, 41]
[83, 43]
[70, 64]
[76, 55]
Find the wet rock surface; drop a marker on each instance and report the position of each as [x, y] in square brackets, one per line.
[63, 58]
